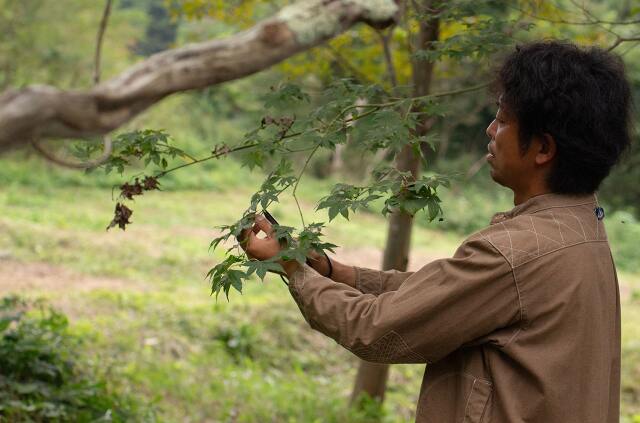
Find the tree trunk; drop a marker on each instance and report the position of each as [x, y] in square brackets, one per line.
[337, 162]
[372, 378]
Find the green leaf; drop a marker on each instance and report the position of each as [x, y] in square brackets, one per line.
[286, 96]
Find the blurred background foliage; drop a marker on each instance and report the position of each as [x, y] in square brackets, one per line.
[182, 357]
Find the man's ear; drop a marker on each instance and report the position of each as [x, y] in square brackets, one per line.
[546, 149]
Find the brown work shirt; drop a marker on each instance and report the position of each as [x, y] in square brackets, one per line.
[522, 324]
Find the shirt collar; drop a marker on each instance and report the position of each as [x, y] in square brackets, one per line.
[543, 202]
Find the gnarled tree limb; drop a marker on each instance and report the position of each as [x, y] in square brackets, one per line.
[46, 112]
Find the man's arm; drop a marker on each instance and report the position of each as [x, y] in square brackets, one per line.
[441, 307]
[444, 305]
[367, 281]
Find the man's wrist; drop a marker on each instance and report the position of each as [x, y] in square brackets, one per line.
[320, 263]
[290, 267]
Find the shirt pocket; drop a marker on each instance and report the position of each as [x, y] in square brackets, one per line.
[454, 397]
[477, 401]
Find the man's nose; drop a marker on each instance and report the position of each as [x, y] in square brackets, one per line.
[491, 129]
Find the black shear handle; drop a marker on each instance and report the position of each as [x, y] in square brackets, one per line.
[270, 218]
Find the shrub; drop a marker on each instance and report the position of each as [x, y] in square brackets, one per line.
[41, 374]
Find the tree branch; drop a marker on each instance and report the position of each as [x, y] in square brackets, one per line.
[621, 40]
[593, 21]
[107, 143]
[100, 36]
[388, 58]
[348, 66]
[47, 112]
[106, 153]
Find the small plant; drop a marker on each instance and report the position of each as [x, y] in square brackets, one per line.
[238, 341]
[41, 377]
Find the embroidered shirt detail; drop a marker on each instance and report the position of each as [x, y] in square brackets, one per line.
[388, 349]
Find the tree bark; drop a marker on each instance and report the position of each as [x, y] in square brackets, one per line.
[47, 112]
[372, 378]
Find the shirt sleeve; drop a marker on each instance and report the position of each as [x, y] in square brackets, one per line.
[369, 281]
[436, 310]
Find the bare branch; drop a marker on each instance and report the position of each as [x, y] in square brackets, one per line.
[108, 147]
[592, 21]
[388, 58]
[621, 40]
[348, 66]
[101, 31]
[47, 112]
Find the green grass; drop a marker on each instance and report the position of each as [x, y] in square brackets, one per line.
[159, 335]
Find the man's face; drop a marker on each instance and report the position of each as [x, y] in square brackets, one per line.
[509, 167]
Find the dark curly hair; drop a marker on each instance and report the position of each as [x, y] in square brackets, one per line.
[581, 97]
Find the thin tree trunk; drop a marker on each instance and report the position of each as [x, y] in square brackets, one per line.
[372, 378]
[336, 158]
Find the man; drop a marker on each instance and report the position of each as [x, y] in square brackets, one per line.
[522, 324]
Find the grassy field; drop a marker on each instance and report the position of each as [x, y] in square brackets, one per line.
[140, 302]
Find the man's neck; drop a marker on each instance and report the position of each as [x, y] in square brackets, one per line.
[522, 196]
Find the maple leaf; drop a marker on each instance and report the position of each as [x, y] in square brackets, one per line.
[128, 190]
[150, 183]
[121, 218]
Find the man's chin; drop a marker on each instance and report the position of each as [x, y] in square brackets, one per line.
[496, 178]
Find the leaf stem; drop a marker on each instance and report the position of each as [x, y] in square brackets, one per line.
[295, 187]
[204, 159]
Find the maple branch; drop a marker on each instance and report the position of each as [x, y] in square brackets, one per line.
[41, 111]
[412, 99]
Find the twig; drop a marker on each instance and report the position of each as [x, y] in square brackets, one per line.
[475, 168]
[388, 58]
[568, 22]
[621, 40]
[106, 140]
[295, 187]
[344, 62]
[204, 159]
[422, 97]
[106, 152]
[101, 30]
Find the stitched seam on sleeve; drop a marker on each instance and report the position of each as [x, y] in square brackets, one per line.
[358, 279]
[389, 348]
[515, 280]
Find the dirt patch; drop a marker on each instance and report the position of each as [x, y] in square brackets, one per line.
[22, 277]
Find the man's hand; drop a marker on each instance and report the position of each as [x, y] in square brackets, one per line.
[260, 248]
[267, 247]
